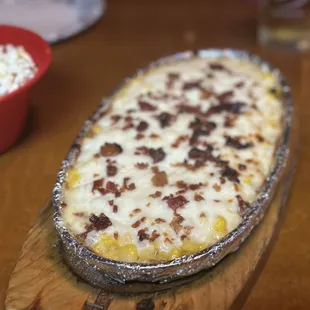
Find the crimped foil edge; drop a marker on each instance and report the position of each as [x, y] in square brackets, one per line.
[100, 271]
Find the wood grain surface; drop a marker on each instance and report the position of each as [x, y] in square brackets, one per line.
[131, 34]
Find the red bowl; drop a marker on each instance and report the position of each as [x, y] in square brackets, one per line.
[14, 106]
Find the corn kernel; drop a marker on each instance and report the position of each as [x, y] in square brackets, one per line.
[146, 255]
[220, 225]
[128, 253]
[96, 129]
[125, 240]
[191, 247]
[73, 177]
[160, 255]
[247, 180]
[268, 76]
[99, 248]
[174, 253]
[107, 241]
[113, 254]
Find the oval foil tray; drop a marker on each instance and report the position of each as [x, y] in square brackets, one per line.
[102, 272]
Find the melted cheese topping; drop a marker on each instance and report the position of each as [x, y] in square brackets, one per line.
[173, 165]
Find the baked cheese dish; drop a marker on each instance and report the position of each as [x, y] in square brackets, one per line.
[174, 163]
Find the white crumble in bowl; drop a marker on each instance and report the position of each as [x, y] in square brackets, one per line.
[16, 68]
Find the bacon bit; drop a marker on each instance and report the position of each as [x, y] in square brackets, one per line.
[191, 85]
[176, 222]
[184, 108]
[141, 166]
[145, 106]
[139, 136]
[110, 149]
[154, 136]
[205, 93]
[115, 118]
[217, 187]
[181, 184]
[128, 119]
[226, 96]
[155, 195]
[64, 205]
[182, 191]
[177, 202]
[202, 214]
[229, 121]
[236, 187]
[115, 208]
[132, 187]
[198, 197]
[117, 194]
[100, 222]
[160, 179]
[136, 224]
[216, 200]
[183, 237]
[222, 180]
[131, 111]
[188, 230]
[157, 155]
[143, 235]
[115, 235]
[159, 220]
[235, 143]
[217, 66]
[155, 169]
[78, 213]
[111, 202]
[135, 211]
[111, 170]
[242, 204]
[111, 187]
[129, 187]
[148, 204]
[97, 184]
[201, 156]
[142, 126]
[239, 85]
[128, 126]
[193, 187]
[154, 235]
[179, 140]
[142, 150]
[164, 119]
[231, 174]
[259, 137]
[103, 191]
[234, 108]
[201, 129]
[173, 75]
[167, 240]
[242, 167]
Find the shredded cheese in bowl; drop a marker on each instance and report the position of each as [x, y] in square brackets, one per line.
[16, 68]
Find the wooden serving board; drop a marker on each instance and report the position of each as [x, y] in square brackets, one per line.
[41, 281]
